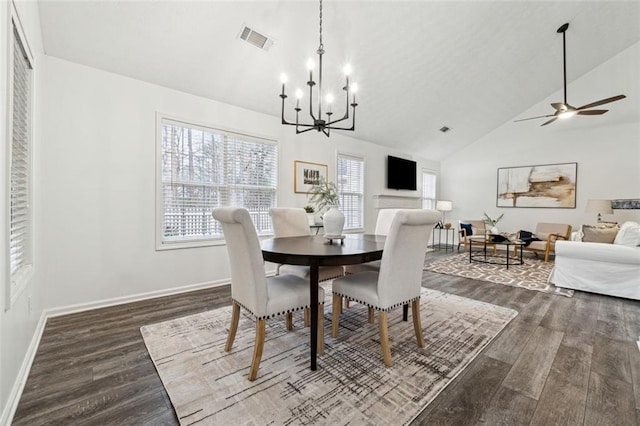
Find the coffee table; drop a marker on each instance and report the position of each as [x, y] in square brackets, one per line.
[481, 256]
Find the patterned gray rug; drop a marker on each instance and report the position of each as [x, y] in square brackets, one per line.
[351, 385]
[533, 275]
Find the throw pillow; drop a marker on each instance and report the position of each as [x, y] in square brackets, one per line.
[629, 235]
[599, 234]
[467, 227]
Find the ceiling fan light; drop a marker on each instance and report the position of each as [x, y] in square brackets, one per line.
[566, 114]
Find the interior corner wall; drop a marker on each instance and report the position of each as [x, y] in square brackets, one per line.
[606, 148]
[98, 183]
[19, 322]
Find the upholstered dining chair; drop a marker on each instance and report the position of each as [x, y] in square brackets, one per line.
[548, 234]
[262, 297]
[383, 223]
[293, 222]
[399, 279]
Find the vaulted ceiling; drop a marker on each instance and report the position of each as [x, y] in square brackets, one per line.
[420, 65]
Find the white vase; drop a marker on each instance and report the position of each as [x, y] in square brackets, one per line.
[333, 221]
[312, 218]
[494, 230]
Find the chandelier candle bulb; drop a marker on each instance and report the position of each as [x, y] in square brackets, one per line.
[299, 94]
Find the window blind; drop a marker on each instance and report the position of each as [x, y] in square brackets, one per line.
[20, 227]
[428, 189]
[351, 190]
[204, 168]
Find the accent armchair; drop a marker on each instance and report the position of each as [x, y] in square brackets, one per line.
[262, 297]
[473, 230]
[548, 233]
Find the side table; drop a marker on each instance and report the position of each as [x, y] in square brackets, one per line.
[439, 232]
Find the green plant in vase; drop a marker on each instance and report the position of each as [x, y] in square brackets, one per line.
[324, 195]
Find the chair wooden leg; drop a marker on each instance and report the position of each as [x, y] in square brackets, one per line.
[346, 303]
[307, 316]
[289, 320]
[335, 319]
[257, 349]
[417, 326]
[384, 338]
[235, 316]
[371, 320]
[321, 329]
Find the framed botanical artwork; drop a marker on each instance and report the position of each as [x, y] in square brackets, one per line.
[306, 175]
[547, 185]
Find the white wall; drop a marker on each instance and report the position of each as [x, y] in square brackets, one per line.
[606, 148]
[97, 181]
[17, 324]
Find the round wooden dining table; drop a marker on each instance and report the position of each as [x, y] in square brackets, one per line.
[315, 251]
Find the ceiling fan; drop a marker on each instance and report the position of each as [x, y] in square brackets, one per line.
[564, 109]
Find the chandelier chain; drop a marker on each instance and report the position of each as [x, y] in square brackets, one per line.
[321, 47]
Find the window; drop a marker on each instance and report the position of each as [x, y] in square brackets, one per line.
[428, 189]
[351, 190]
[20, 118]
[203, 168]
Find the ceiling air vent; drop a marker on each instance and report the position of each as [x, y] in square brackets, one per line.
[255, 38]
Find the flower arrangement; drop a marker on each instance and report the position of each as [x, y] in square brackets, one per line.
[490, 221]
[309, 208]
[324, 194]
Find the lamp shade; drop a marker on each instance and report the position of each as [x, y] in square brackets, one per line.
[599, 206]
[444, 206]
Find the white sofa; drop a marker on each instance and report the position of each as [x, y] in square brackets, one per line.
[611, 269]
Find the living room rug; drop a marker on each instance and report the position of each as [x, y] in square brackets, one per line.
[351, 385]
[532, 275]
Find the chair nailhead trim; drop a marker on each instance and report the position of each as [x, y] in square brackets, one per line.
[275, 314]
[375, 307]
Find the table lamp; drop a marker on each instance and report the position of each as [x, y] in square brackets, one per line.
[599, 206]
[444, 206]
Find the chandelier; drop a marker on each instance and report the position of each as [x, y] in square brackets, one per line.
[324, 125]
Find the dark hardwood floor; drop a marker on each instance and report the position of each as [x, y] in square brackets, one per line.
[561, 361]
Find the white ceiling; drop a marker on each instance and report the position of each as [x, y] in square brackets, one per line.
[420, 64]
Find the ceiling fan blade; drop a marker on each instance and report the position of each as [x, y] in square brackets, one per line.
[549, 122]
[592, 112]
[533, 118]
[602, 102]
[558, 106]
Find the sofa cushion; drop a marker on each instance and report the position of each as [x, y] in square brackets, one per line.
[628, 235]
[599, 234]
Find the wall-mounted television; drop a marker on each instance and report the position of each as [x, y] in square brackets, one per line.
[401, 173]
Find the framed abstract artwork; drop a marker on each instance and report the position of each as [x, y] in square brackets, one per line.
[306, 175]
[546, 186]
[626, 204]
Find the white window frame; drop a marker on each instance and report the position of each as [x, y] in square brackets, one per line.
[19, 278]
[161, 243]
[425, 198]
[353, 157]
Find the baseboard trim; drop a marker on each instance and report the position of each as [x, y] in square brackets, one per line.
[16, 391]
[21, 379]
[81, 307]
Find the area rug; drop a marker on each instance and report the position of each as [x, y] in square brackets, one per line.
[351, 384]
[533, 275]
